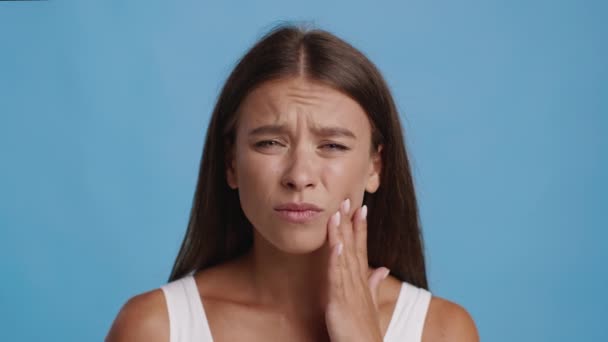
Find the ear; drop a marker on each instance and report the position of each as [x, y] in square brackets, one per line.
[231, 175]
[375, 168]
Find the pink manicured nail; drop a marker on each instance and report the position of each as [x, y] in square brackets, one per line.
[346, 205]
[339, 248]
[335, 219]
[386, 274]
[364, 212]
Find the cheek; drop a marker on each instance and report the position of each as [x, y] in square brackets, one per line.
[346, 179]
[256, 174]
[257, 179]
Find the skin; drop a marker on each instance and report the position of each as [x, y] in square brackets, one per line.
[299, 282]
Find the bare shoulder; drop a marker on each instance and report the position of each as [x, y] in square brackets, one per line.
[224, 282]
[142, 318]
[448, 321]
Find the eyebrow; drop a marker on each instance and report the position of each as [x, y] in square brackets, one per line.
[327, 131]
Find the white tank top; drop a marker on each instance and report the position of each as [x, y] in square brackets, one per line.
[188, 322]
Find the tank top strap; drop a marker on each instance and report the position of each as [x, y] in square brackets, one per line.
[408, 318]
[187, 319]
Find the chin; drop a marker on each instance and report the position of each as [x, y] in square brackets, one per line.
[300, 248]
[300, 241]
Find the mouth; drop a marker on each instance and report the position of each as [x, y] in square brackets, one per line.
[298, 212]
[298, 216]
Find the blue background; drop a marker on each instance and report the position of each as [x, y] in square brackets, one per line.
[104, 107]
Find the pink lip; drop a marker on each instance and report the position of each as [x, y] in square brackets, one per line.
[298, 212]
[303, 206]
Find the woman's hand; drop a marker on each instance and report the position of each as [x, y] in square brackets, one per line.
[352, 308]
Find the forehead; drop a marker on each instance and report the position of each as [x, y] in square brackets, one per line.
[285, 100]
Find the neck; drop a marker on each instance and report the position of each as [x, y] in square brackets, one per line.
[292, 283]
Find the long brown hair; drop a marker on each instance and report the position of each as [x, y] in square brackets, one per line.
[218, 229]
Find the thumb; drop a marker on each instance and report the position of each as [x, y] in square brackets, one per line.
[377, 276]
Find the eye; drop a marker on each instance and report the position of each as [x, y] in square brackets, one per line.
[267, 144]
[335, 147]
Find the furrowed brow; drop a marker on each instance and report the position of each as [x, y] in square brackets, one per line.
[334, 132]
[319, 131]
[268, 129]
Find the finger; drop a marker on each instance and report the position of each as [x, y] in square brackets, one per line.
[342, 228]
[360, 232]
[346, 228]
[378, 275]
[333, 231]
[335, 263]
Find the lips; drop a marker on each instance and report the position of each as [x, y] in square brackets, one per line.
[298, 212]
[298, 207]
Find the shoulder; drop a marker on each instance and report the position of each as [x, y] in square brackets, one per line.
[225, 282]
[142, 318]
[448, 321]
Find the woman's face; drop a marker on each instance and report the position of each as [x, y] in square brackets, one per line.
[300, 142]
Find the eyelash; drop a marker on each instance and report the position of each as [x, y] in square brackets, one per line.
[267, 143]
[337, 147]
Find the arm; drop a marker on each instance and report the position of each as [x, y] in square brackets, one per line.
[142, 318]
[447, 321]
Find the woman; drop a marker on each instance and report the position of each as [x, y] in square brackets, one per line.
[304, 203]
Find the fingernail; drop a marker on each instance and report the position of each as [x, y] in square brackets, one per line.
[339, 248]
[364, 212]
[335, 220]
[386, 274]
[346, 205]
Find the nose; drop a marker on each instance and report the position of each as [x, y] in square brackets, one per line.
[300, 170]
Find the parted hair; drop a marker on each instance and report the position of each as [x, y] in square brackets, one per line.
[218, 230]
